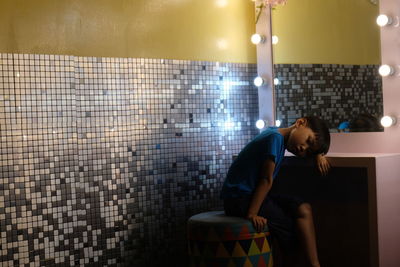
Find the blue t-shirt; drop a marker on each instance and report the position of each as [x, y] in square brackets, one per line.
[245, 170]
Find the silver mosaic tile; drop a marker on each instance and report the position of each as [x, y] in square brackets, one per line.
[334, 92]
[104, 159]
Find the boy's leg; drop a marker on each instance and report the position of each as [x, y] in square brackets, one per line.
[281, 212]
[276, 253]
[305, 226]
[290, 220]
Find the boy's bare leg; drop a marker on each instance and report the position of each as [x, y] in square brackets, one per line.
[305, 226]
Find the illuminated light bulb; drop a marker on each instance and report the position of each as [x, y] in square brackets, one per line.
[276, 81]
[257, 38]
[278, 123]
[260, 124]
[385, 70]
[384, 20]
[275, 39]
[258, 81]
[388, 121]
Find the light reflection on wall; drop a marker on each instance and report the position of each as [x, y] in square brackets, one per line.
[222, 44]
[221, 3]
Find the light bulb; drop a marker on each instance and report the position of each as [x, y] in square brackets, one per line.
[388, 121]
[275, 39]
[385, 70]
[278, 123]
[257, 38]
[384, 20]
[276, 81]
[260, 124]
[258, 81]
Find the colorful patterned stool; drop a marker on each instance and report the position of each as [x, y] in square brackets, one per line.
[217, 240]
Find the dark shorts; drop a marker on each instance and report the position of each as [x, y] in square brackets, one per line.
[280, 211]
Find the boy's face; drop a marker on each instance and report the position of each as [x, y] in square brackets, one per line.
[301, 141]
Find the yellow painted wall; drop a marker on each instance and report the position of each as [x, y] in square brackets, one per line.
[212, 30]
[326, 31]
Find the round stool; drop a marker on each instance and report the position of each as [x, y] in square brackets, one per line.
[217, 240]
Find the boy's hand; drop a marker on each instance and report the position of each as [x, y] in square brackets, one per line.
[258, 222]
[323, 164]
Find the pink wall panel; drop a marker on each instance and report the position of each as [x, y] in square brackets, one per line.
[388, 210]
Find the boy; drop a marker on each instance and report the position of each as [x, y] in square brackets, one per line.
[250, 177]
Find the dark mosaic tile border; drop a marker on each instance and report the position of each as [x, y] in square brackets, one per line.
[334, 92]
[104, 159]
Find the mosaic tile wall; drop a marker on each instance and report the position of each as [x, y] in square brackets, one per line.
[104, 159]
[334, 92]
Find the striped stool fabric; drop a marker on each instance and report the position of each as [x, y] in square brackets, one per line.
[216, 240]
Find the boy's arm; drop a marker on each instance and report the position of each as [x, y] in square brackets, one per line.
[262, 189]
[322, 164]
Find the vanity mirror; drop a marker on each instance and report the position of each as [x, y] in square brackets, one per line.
[326, 63]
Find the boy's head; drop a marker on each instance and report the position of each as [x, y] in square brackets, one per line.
[309, 136]
[365, 123]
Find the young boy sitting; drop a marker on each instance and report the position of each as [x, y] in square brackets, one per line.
[250, 177]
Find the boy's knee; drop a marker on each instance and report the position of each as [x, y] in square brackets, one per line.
[304, 210]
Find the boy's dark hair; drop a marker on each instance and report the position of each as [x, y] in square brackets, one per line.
[321, 131]
[365, 122]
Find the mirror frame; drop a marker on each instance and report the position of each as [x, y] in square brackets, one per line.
[355, 142]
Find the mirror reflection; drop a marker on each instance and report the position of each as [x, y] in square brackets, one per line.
[326, 60]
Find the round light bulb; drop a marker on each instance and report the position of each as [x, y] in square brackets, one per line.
[276, 81]
[275, 39]
[383, 20]
[260, 124]
[258, 81]
[278, 123]
[257, 38]
[385, 70]
[388, 121]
